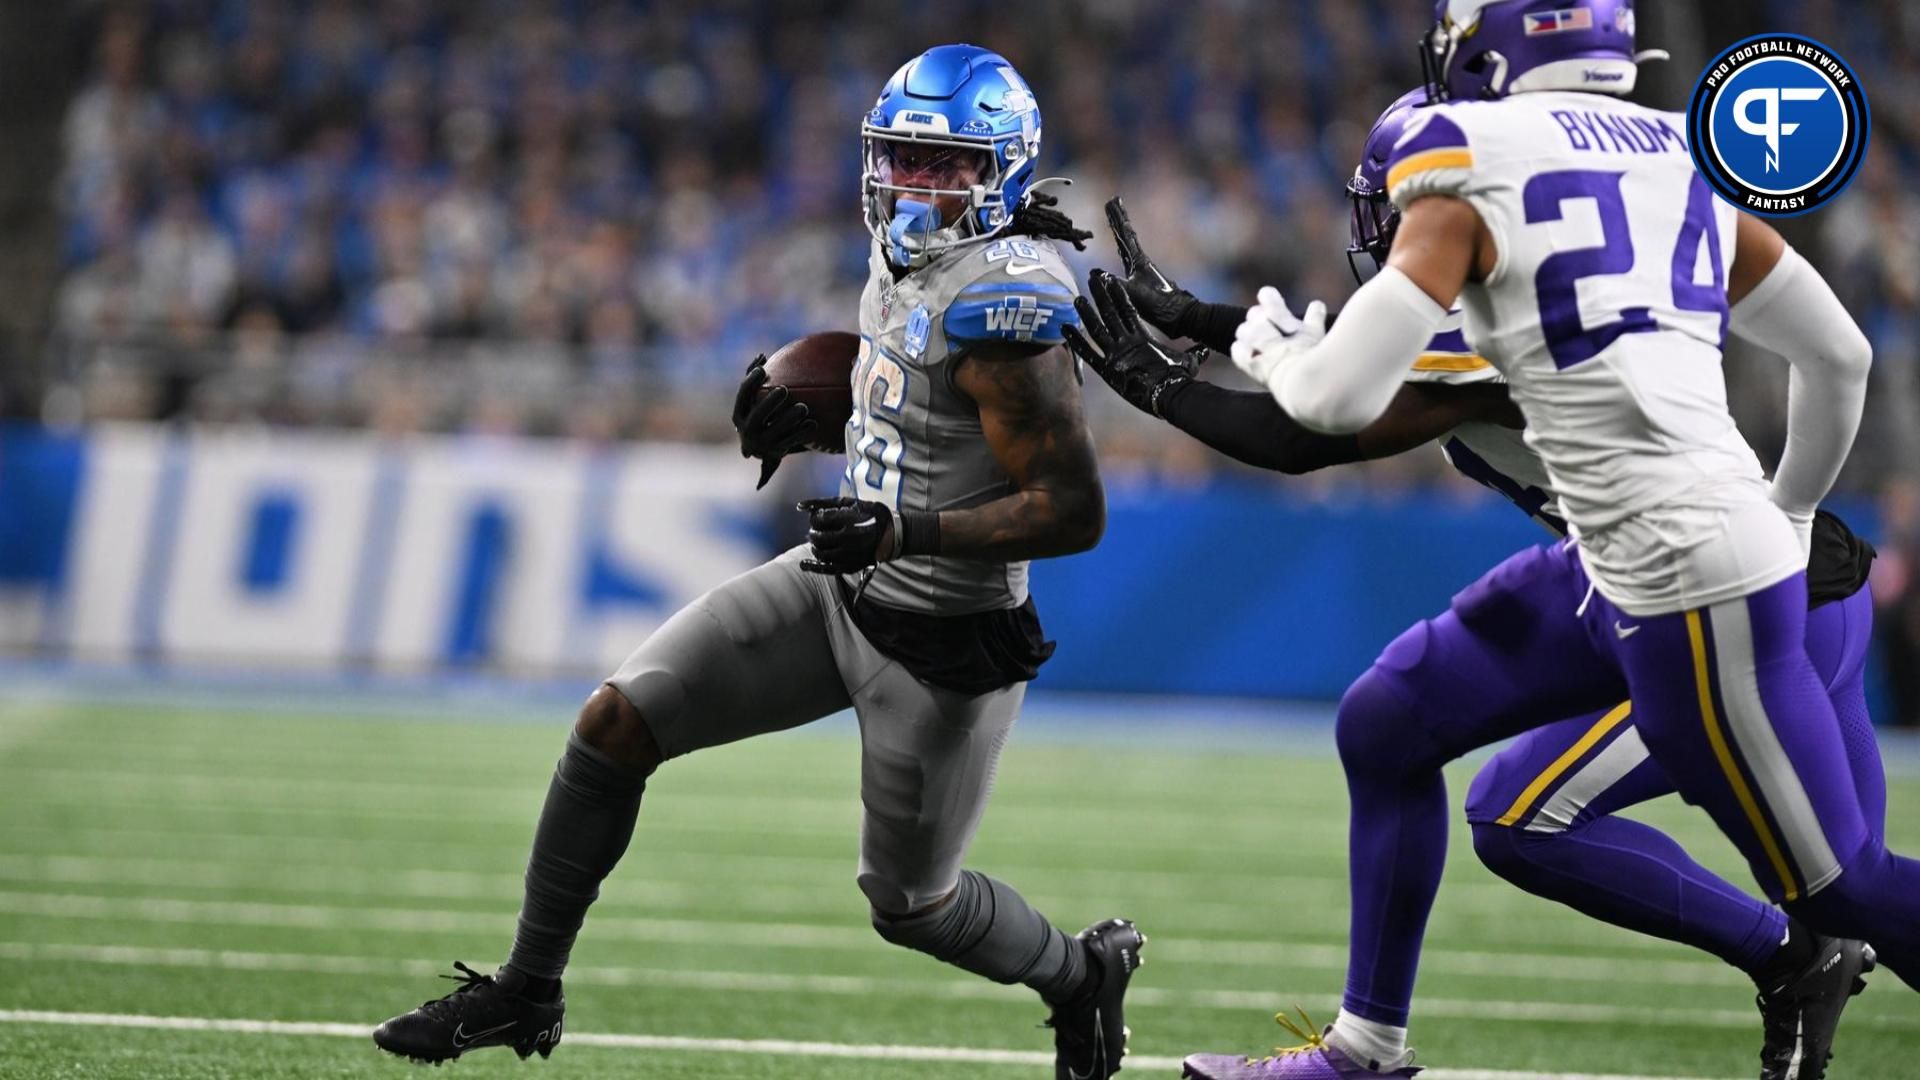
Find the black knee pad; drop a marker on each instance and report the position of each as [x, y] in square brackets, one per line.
[1378, 733]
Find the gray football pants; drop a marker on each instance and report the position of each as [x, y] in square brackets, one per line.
[775, 648]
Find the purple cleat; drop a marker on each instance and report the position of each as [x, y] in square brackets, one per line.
[1312, 1060]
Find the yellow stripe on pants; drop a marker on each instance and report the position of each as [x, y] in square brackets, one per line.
[1724, 754]
[1522, 805]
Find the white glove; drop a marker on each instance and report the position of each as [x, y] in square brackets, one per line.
[1271, 334]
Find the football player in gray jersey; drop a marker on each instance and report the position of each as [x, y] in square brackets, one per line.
[966, 455]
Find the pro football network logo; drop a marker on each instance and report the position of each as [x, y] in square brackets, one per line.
[1778, 124]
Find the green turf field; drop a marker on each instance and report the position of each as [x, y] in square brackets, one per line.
[227, 870]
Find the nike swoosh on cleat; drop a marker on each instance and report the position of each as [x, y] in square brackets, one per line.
[1099, 1052]
[461, 1040]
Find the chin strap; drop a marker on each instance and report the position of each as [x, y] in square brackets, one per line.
[1645, 55]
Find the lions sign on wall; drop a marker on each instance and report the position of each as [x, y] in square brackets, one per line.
[231, 547]
[347, 552]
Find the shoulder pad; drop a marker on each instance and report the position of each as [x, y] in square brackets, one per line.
[1448, 358]
[1020, 290]
[1432, 157]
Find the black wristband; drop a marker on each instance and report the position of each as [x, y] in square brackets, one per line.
[919, 532]
[1212, 325]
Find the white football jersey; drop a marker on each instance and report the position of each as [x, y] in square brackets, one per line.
[1491, 455]
[1606, 312]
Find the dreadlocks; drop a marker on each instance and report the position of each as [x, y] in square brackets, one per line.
[1037, 217]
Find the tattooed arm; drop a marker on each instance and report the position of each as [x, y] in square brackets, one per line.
[1030, 413]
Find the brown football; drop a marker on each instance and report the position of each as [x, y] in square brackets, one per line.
[818, 371]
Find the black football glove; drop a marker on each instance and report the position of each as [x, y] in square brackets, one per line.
[1138, 367]
[772, 427]
[1167, 306]
[848, 535]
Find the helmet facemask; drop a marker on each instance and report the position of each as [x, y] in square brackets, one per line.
[926, 192]
[1374, 221]
[1374, 217]
[1440, 45]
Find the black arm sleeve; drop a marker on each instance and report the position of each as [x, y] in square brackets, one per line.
[1249, 426]
[1212, 325]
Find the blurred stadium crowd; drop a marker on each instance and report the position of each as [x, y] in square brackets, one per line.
[635, 194]
[583, 217]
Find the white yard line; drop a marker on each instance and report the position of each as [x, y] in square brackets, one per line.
[872, 986]
[769, 1047]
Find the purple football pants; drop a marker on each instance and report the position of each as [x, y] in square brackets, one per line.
[1542, 811]
[1724, 698]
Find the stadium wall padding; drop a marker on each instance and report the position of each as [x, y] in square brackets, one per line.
[347, 551]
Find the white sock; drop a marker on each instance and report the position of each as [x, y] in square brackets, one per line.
[1377, 1046]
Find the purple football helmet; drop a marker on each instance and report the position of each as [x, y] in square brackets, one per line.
[1491, 48]
[1374, 215]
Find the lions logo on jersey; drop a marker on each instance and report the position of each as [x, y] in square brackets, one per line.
[1778, 125]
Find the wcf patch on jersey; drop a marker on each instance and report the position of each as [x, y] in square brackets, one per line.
[1778, 124]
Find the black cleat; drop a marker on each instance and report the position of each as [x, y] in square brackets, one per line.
[487, 1010]
[1800, 1014]
[1090, 1033]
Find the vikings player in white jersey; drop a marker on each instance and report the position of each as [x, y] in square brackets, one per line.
[1599, 276]
[1545, 811]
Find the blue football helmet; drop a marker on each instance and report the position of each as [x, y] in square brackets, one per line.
[955, 124]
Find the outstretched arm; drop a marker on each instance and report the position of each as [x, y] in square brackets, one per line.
[1341, 380]
[1250, 426]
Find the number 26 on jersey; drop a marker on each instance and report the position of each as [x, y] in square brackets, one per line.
[879, 391]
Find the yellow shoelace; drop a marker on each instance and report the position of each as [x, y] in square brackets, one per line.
[1306, 1029]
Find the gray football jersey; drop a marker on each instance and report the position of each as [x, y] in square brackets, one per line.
[914, 441]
